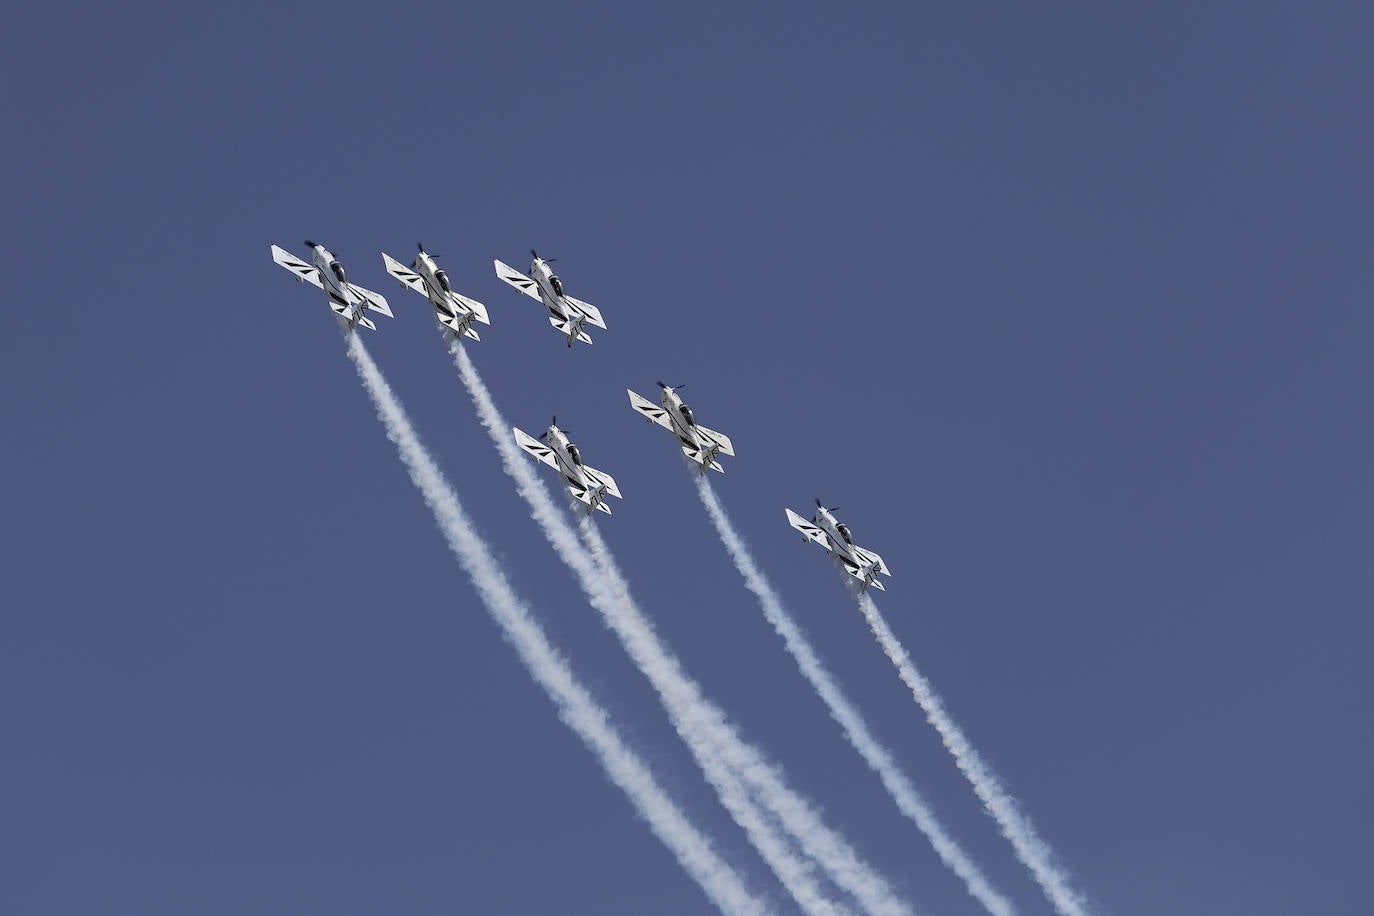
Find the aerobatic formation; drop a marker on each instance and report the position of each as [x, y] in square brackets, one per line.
[815, 865]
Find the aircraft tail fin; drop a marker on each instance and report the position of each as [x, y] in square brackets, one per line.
[571, 330]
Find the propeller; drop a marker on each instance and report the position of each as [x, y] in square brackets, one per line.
[535, 254]
[827, 508]
[310, 244]
[552, 423]
[671, 387]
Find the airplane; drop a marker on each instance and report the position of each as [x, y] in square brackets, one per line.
[454, 312]
[864, 565]
[348, 300]
[569, 315]
[586, 483]
[698, 443]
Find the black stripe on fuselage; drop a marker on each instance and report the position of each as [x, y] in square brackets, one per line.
[564, 467]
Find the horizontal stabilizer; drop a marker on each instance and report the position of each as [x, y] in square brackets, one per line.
[698, 457]
[567, 329]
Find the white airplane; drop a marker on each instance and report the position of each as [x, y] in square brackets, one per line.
[454, 311]
[698, 443]
[586, 483]
[348, 300]
[863, 565]
[569, 315]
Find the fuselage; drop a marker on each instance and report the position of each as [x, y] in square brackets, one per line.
[436, 283]
[341, 296]
[550, 287]
[841, 541]
[680, 415]
[441, 295]
[568, 457]
[551, 292]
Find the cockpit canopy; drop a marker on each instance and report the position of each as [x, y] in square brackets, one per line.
[687, 414]
[338, 271]
[443, 280]
[556, 283]
[574, 454]
[843, 529]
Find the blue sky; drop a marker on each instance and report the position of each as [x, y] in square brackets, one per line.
[1066, 308]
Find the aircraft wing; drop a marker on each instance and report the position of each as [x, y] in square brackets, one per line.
[603, 479]
[302, 270]
[539, 450]
[518, 280]
[719, 439]
[650, 410]
[405, 274]
[811, 532]
[375, 301]
[592, 312]
[478, 310]
[873, 560]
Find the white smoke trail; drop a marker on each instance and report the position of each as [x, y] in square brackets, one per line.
[908, 799]
[795, 873]
[820, 842]
[709, 735]
[576, 707]
[1030, 849]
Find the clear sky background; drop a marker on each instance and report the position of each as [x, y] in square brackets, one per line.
[1066, 308]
